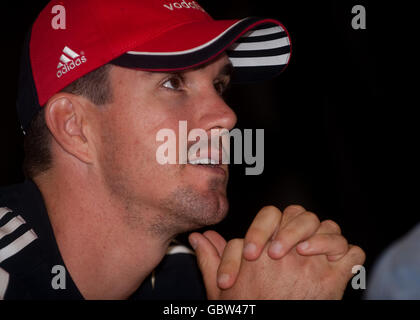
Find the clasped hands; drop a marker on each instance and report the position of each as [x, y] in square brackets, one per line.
[284, 255]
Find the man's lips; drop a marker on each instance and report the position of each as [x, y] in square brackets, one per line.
[207, 161]
[208, 152]
[220, 169]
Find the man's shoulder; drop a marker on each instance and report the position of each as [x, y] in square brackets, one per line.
[18, 251]
[28, 251]
[17, 234]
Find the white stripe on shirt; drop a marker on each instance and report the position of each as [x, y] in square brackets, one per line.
[17, 245]
[4, 282]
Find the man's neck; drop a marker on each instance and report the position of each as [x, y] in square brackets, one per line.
[105, 256]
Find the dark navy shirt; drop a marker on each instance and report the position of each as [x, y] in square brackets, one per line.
[29, 252]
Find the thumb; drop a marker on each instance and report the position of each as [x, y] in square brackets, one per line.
[208, 261]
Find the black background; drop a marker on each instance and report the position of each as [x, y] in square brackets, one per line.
[339, 136]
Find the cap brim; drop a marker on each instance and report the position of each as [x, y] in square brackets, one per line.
[259, 49]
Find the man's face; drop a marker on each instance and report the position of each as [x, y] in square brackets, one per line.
[187, 196]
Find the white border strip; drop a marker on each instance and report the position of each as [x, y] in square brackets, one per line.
[260, 61]
[262, 45]
[263, 32]
[185, 51]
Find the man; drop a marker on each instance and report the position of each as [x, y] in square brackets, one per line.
[100, 208]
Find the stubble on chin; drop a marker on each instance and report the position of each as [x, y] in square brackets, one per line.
[186, 209]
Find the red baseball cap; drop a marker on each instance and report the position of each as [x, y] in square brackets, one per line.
[71, 38]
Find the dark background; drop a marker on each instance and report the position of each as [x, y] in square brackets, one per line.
[338, 133]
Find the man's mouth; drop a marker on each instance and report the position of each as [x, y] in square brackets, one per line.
[205, 161]
[208, 163]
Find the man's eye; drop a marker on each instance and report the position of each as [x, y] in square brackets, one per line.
[174, 83]
[220, 87]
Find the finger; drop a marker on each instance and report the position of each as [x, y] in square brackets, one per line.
[334, 246]
[354, 257]
[297, 230]
[230, 264]
[261, 231]
[329, 226]
[208, 261]
[291, 212]
[217, 241]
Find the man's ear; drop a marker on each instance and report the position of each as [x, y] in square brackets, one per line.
[66, 117]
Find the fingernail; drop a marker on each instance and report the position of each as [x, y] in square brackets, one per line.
[303, 245]
[276, 247]
[250, 248]
[223, 279]
[193, 242]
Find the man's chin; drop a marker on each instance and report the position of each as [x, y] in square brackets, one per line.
[189, 209]
[220, 213]
[212, 210]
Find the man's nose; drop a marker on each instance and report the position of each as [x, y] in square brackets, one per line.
[215, 113]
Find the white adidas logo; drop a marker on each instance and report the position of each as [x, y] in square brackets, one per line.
[69, 60]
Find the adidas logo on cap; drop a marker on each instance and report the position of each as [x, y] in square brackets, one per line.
[69, 60]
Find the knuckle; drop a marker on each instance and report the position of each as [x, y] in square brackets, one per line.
[203, 262]
[303, 226]
[335, 244]
[358, 254]
[331, 225]
[344, 242]
[286, 235]
[341, 247]
[256, 235]
[294, 209]
[335, 238]
[312, 218]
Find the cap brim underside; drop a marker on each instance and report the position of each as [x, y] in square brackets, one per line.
[259, 49]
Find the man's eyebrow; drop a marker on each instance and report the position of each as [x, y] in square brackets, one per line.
[227, 70]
